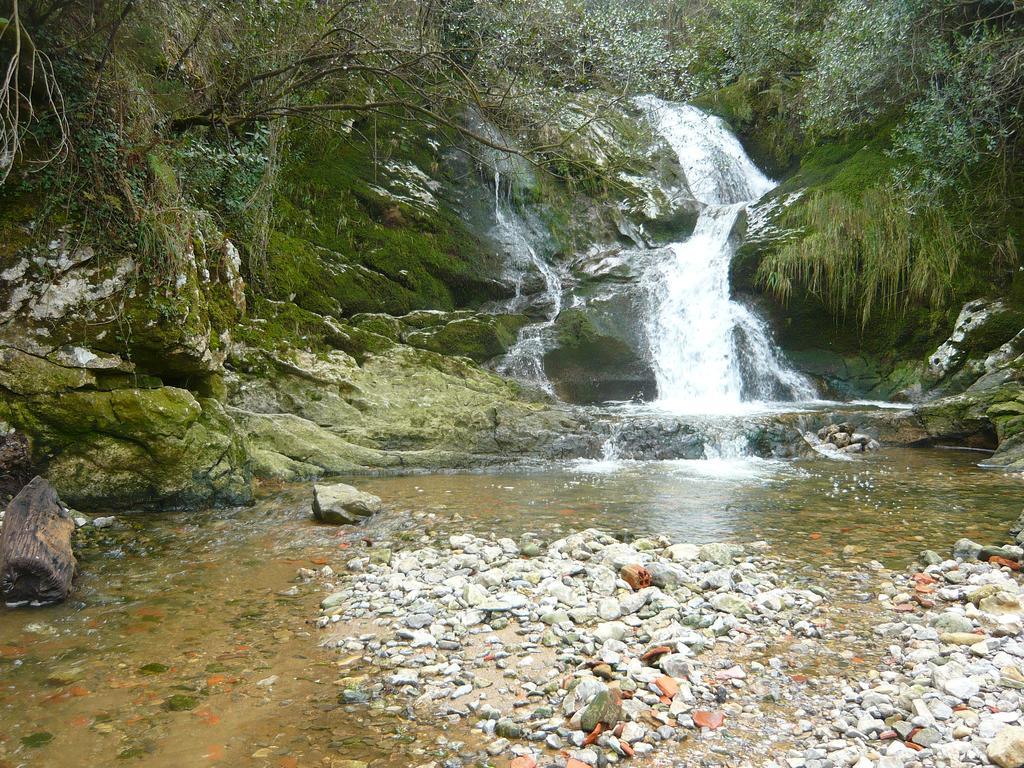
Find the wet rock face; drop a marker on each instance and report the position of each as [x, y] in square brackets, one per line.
[599, 355]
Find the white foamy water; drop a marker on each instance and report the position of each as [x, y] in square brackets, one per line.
[525, 360]
[711, 354]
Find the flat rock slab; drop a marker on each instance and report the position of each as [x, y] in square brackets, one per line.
[341, 504]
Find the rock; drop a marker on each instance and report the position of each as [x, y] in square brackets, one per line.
[965, 549]
[495, 748]
[1007, 749]
[962, 688]
[683, 552]
[1000, 604]
[667, 685]
[608, 609]
[474, 595]
[636, 576]
[731, 603]
[341, 504]
[930, 557]
[722, 554]
[926, 737]
[404, 677]
[610, 630]
[952, 622]
[960, 638]
[605, 708]
[665, 575]
[676, 664]
[555, 617]
[709, 720]
[508, 728]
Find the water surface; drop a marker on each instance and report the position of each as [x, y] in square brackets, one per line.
[178, 621]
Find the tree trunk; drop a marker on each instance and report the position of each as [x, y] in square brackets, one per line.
[36, 561]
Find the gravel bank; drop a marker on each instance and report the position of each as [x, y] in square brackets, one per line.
[562, 654]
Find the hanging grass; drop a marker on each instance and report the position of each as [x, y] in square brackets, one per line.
[866, 254]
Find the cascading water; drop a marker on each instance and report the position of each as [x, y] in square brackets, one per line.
[710, 353]
[525, 360]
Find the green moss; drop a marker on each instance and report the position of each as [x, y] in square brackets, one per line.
[25, 374]
[344, 246]
[283, 326]
[134, 447]
[761, 115]
[480, 338]
[181, 702]
[17, 212]
[383, 325]
[124, 413]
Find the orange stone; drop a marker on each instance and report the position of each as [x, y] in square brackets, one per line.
[710, 720]
[523, 762]
[668, 686]
[572, 762]
[653, 653]
[1013, 565]
[636, 576]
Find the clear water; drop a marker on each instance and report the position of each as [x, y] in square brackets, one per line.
[203, 594]
[897, 502]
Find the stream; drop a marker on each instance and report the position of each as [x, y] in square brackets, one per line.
[187, 640]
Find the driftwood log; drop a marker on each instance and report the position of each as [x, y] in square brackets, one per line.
[36, 561]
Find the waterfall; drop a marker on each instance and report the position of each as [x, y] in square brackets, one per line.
[525, 360]
[710, 353]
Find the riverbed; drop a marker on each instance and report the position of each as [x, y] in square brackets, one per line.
[188, 638]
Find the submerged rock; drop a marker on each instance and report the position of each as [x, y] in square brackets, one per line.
[342, 504]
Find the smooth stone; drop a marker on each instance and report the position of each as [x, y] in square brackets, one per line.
[1007, 748]
[683, 552]
[342, 504]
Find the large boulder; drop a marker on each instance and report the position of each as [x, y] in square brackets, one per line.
[313, 415]
[986, 336]
[342, 504]
[593, 362]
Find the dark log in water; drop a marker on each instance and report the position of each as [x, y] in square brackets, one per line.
[36, 561]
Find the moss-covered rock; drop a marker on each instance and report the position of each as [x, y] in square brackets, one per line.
[22, 373]
[134, 447]
[402, 408]
[809, 257]
[480, 338]
[357, 234]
